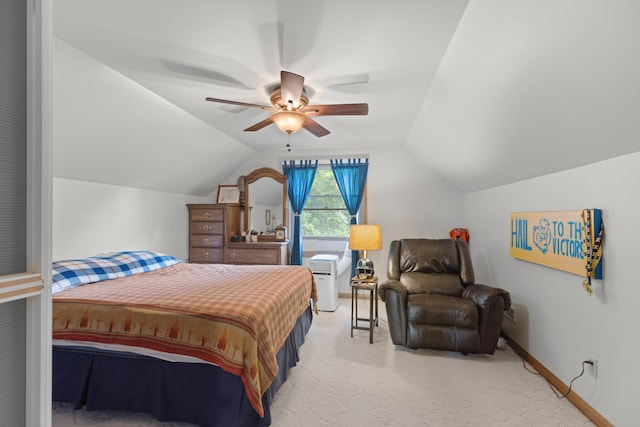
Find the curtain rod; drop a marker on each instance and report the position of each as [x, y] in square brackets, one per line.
[342, 156]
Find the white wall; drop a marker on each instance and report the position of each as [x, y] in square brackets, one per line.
[557, 321]
[91, 218]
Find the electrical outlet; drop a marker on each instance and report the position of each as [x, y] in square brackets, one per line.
[592, 368]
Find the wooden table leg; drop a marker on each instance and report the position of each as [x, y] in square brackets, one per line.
[376, 298]
[371, 317]
[352, 292]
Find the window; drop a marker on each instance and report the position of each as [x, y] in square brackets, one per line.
[324, 214]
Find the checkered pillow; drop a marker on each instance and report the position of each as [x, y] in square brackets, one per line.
[70, 273]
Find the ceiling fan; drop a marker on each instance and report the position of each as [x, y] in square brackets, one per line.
[291, 109]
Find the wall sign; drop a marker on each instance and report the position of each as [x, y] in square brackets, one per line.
[566, 240]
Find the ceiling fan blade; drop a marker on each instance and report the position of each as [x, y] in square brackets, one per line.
[270, 35]
[203, 74]
[243, 104]
[291, 86]
[351, 79]
[302, 27]
[266, 122]
[337, 110]
[315, 127]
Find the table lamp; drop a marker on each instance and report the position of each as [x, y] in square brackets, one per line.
[365, 237]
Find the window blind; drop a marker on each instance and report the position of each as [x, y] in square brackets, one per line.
[13, 205]
[13, 137]
[12, 362]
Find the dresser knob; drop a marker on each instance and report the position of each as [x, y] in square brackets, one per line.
[205, 241]
[205, 228]
[206, 214]
[206, 254]
[234, 255]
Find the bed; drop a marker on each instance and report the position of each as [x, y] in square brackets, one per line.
[208, 344]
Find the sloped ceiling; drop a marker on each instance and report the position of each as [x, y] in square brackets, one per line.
[485, 93]
[110, 130]
[529, 88]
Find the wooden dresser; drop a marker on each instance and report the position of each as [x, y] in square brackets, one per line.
[210, 228]
[275, 253]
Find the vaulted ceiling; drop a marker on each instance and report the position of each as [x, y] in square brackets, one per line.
[484, 92]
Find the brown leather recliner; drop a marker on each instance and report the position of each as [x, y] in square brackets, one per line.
[432, 299]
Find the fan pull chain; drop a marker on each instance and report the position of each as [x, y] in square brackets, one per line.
[289, 141]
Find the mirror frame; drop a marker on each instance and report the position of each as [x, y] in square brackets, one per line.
[266, 173]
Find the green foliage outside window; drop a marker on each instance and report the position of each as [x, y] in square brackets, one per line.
[325, 214]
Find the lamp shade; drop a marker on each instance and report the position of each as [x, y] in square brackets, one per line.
[365, 237]
[289, 121]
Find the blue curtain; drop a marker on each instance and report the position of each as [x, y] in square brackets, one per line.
[351, 178]
[299, 180]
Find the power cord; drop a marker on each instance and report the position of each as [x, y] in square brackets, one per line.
[562, 396]
[553, 389]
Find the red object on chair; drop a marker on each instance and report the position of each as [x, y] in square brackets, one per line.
[459, 233]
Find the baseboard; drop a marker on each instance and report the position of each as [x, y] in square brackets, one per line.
[577, 401]
[364, 295]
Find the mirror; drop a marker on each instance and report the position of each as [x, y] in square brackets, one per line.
[265, 195]
[265, 202]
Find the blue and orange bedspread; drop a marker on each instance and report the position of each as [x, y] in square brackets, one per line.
[234, 316]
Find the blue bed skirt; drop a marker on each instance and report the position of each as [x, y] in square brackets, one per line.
[198, 393]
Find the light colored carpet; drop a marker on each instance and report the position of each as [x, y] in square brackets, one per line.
[343, 381]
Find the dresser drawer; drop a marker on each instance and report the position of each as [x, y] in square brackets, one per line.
[203, 214]
[204, 255]
[206, 241]
[207, 227]
[252, 256]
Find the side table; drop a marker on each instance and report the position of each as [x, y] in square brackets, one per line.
[370, 285]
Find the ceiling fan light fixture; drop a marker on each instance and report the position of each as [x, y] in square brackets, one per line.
[291, 111]
[289, 121]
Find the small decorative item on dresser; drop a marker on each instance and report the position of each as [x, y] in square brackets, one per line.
[281, 233]
[228, 194]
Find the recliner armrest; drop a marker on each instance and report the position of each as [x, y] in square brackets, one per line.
[394, 294]
[482, 294]
[395, 285]
[491, 303]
